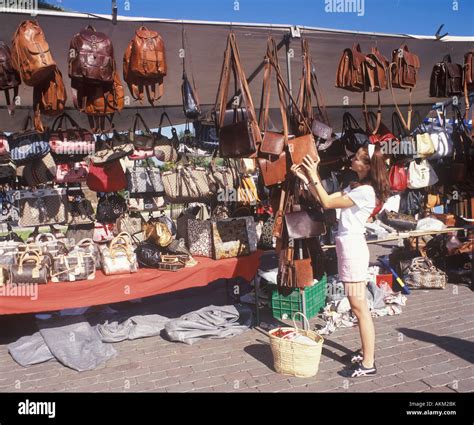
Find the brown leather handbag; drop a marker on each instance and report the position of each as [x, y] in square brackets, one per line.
[9, 77]
[446, 79]
[241, 138]
[144, 65]
[31, 268]
[377, 70]
[350, 72]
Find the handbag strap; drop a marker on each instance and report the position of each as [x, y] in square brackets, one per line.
[407, 123]
[138, 118]
[58, 122]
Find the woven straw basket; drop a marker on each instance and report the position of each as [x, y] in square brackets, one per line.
[295, 358]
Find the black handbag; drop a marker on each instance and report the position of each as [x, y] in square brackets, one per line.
[148, 254]
[191, 106]
[144, 141]
[110, 207]
[353, 136]
[398, 221]
[412, 202]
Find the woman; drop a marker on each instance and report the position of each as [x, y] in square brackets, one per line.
[356, 202]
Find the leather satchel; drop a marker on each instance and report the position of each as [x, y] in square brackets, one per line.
[405, 68]
[377, 67]
[304, 224]
[31, 269]
[446, 79]
[302, 146]
[350, 72]
[239, 139]
[273, 171]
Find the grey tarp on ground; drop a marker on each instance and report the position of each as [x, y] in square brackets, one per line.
[30, 350]
[133, 328]
[210, 322]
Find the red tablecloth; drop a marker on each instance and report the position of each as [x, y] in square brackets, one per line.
[110, 289]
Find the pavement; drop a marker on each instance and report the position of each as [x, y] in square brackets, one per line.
[428, 348]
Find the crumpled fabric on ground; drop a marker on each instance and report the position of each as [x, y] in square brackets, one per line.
[210, 322]
[132, 328]
[71, 340]
[338, 314]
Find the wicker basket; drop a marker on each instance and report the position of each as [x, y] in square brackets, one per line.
[295, 358]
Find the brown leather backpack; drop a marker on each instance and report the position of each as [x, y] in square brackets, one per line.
[144, 64]
[91, 56]
[9, 77]
[446, 79]
[350, 72]
[49, 98]
[31, 56]
[469, 69]
[404, 68]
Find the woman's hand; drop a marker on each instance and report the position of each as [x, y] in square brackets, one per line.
[299, 172]
[311, 168]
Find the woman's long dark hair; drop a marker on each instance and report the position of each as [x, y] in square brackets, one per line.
[378, 175]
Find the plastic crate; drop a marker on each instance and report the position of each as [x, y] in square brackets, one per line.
[315, 301]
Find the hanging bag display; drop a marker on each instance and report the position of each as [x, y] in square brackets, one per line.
[145, 140]
[446, 79]
[28, 144]
[168, 145]
[142, 180]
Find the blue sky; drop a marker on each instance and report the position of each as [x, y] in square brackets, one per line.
[421, 17]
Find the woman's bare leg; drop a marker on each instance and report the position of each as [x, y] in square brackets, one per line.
[356, 294]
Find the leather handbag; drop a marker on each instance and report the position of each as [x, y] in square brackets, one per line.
[422, 274]
[131, 225]
[144, 180]
[351, 74]
[72, 172]
[446, 79]
[119, 257]
[398, 178]
[230, 238]
[191, 107]
[9, 77]
[110, 207]
[147, 203]
[40, 171]
[187, 184]
[304, 224]
[111, 149]
[421, 175]
[376, 67]
[28, 145]
[412, 202]
[404, 71]
[241, 138]
[78, 264]
[398, 221]
[353, 137]
[144, 141]
[157, 232]
[78, 232]
[148, 255]
[106, 178]
[31, 269]
[40, 207]
[302, 146]
[424, 145]
[273, 171]
[80, 211]
[168, 145]
[70, 144]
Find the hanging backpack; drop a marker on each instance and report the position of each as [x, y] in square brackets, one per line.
[31, 56]
[9, 77]
[144, 65]
[351, 74]
[446, 79]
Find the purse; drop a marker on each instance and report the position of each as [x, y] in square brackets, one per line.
[421, 175]
[424, 145]
[144, 141]
[412, 202]
[144, 180]
[351, 74]
[171, 263]
[422, 274]
[148, 255]
[398, 221]
[77, 232]
[78, 264]
[40, 207]
[28, 145]
[111, 149]
[40, 171]
[199, 237]
[157, 232]
[7, 169]
[106, 178]
[31, 269]
[239, 139]
[304, 224]
[206, 134]
[141, 155]
[191, 106]
[187, 184]
[230, 238]
[119, 257]
[110, 207]
[353, 137]
[103, 232]
[146, 203]
[446, 79]
[168, 145]
[70, 144]
[131, 225]
[80, 211]
[398, 178]
[72, 172]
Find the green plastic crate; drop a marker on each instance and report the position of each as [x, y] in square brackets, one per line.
[315, 301]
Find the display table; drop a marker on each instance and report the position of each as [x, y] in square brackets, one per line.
[111, 289]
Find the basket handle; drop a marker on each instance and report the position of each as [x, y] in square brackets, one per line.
[304, 317]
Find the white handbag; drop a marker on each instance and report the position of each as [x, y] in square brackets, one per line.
[442, 143]
[119, 257]
[424, 145]
[421, 175]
